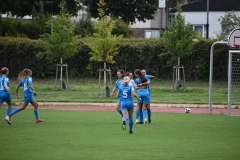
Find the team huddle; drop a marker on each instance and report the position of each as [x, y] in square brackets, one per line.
[125, 106]
[28, 90]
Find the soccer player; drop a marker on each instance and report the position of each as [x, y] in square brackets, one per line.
[148, 77]
[5, 92]
[120, 75]
[131, 82]
[126, 91]
[143, 93]
[27, 84]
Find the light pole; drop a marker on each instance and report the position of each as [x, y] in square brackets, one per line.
[207, 26]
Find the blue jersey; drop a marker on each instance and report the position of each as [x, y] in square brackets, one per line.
[4, 80]
[25, 83]
[148, 77]
[126, 92]
[143, 93]
[118, 83]
[138, 81]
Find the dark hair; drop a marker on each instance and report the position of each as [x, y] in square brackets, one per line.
[138, 72]
[4, 70]
[127, 74]
[122, 72]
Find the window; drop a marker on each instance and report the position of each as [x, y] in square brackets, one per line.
[171, 17]
[152, 33]
[201, 29]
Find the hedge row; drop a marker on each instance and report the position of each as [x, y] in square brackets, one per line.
[20, 53]
[22, 28]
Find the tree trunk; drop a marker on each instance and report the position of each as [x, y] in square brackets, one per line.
[105, 74]
[105, 79]
[178, 70]
[61, 74]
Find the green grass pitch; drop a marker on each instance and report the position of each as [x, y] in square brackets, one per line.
[98, 135]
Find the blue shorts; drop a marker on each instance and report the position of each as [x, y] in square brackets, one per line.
[127, 105]
[5, 97]
[144, 95]
[28, 97]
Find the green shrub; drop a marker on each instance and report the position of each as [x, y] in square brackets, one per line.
[21, 28]
[20, 53]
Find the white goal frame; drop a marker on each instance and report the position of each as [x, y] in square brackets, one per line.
[230, 79]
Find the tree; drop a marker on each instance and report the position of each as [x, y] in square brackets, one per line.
[128, 10]
[61, 42]
[122, 28]
[178, 39]
[85, 26]
[103, 43]
[229, 22]
[21, 8]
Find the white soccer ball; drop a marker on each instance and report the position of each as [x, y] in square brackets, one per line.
[187, 110]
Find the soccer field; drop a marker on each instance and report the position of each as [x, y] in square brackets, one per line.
[98, 135]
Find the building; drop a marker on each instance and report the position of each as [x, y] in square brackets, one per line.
[151, 28]
[196, 14]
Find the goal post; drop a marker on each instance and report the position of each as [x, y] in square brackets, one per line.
[234, 83]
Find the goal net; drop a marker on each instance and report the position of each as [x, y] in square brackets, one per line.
[234, 83]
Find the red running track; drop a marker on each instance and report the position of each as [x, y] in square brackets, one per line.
[154, 109]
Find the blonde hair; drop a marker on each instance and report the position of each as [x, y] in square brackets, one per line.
[3, 70]
[125, 80]
[23, 73]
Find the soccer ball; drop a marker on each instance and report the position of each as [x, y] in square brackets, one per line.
[187, 110]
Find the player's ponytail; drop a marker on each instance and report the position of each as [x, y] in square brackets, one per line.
[23, 73]
[125, 80]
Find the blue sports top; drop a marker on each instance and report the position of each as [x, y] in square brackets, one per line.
[126, 92]
[138, 81]
[148, 77]
[118, 83]
[25, 83]
[4, 80]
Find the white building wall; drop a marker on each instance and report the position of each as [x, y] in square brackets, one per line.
[159, 17]
[138, 24]
[200, 18]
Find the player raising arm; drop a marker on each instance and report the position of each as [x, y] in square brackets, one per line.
[148, 77]
[120, 75]
[143, 93]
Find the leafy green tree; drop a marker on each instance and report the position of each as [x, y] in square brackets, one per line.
[122, 28]
[22, 8]
[61, 42]
[103, 43]
[229, 22]
[85, 26]
[128, 10]
[178, 39]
